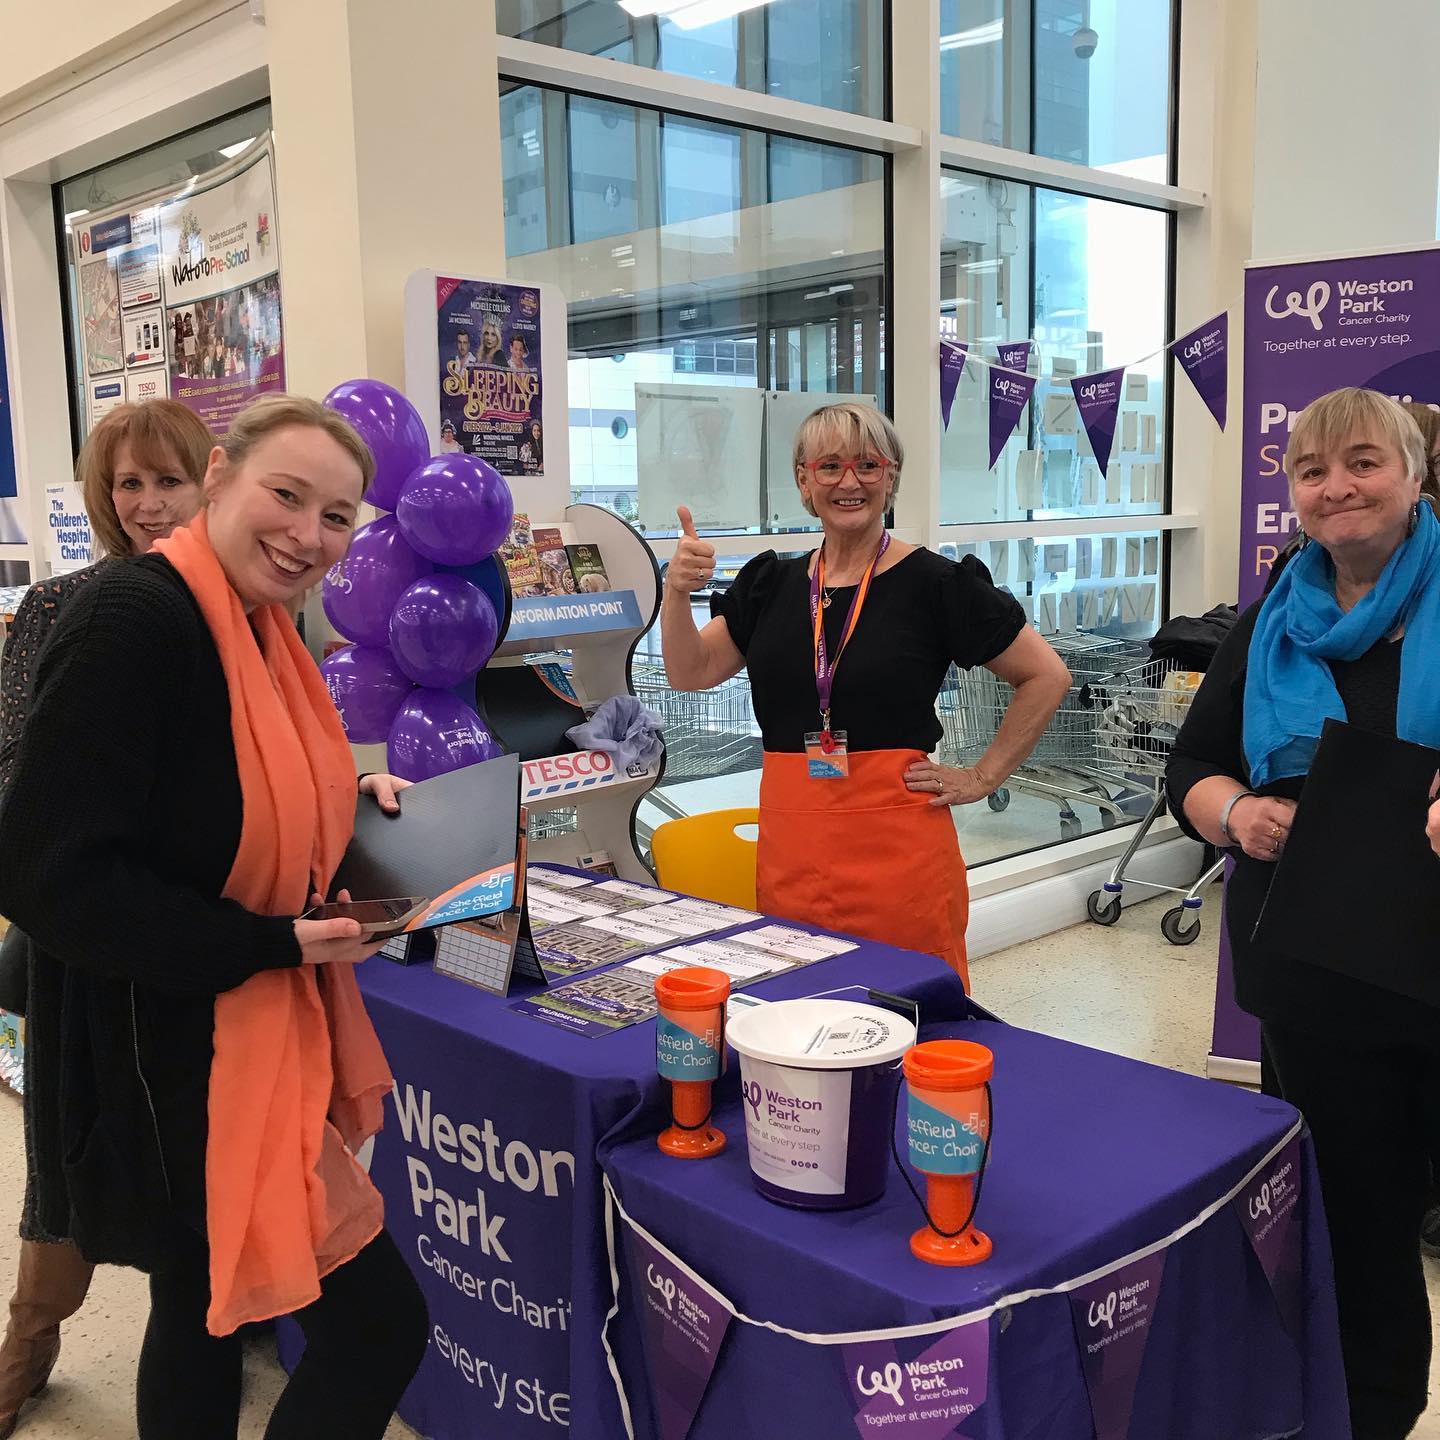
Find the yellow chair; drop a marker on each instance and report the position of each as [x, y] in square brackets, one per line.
[702, 855]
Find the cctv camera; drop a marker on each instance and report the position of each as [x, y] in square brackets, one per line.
[1085, 41]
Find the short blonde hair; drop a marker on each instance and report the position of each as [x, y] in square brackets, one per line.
[160, 433]
[848, 428]
[270, 413]
[1328, 422]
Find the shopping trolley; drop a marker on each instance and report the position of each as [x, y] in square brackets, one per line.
[1063, 766]
[708, 732]
[1140, 712]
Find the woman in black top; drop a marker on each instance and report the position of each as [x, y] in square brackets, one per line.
[139, 473]
[1349, 630]
[855, 825]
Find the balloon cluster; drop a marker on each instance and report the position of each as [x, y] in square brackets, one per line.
[420, 627]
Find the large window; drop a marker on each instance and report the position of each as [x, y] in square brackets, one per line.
[715, 278]
[825, 52]
[723, 280]
[1080, 80]
[1088, 280]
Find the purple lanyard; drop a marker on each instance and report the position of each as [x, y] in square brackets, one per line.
[825, 668]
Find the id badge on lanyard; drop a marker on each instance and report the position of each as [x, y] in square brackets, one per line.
[826, 749]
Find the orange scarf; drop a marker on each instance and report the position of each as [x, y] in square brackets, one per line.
[298, 1080]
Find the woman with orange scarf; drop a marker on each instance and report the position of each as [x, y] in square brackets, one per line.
[182, 791]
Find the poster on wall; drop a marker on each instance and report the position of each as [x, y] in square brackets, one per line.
[186, 288]
[102, 396]
[143, 385]
[144, 337]
[69, 543]
[221, 270]
[490, 373]
[100, 317]
[137, 265]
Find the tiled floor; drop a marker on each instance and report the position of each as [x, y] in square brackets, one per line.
[1122, 989]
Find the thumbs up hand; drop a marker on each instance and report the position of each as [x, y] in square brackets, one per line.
[693, 564]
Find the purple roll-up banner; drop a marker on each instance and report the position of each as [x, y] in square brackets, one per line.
[1269, 1209]
[1204, 355]
[1009, 394]
[1312, 326]
[1097, 397]
[683, 1326]
[952, 364]
[926, 1387]
[1112, 1318]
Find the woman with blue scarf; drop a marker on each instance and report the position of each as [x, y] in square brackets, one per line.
[1350, 631]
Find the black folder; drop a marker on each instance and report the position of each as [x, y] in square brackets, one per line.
[452, 833]
[1357, 887]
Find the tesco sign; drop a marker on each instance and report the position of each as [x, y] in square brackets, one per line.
[584, 767]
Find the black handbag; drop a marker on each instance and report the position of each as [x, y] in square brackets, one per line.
[14, 970]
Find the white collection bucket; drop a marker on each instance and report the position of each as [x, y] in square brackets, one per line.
[818, 1079]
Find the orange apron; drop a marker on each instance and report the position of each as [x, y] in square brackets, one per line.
[863, 855]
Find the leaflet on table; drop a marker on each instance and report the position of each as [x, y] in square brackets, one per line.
[578, 947]
[802, 945]
[601, 1004]
[560, 879]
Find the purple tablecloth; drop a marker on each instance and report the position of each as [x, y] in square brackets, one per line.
[1094, 1157]
[516, 1306]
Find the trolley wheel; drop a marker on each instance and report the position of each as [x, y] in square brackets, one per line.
[1174, 928]
[998, 800]
[1102, 907]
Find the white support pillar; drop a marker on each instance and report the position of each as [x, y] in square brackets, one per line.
[914, 321]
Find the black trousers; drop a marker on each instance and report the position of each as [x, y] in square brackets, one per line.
[364, 1339]
[1369, 1110]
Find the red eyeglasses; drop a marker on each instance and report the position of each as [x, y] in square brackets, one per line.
[867, 470]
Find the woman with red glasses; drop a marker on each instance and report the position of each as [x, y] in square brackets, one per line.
[847, 649]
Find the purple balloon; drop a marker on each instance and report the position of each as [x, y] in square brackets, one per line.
[455, 509]
[391, 426]
[442, 631]
[360, 591]
[367, 687]
[434, 733]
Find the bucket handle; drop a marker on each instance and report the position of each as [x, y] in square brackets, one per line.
[979, 1179]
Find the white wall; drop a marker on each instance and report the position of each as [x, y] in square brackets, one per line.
[1347, 125]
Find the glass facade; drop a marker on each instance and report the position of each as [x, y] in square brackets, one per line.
[1087, 81]
[1089, 280]
[824, 52]
[715, 277]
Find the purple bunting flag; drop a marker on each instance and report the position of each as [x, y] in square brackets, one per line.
[925, 1387]
[1009, 394]
[1268, 1208]
[683, 1327]
[1112, 1318]
[952, 363]
[1203, 355]
[1097, 397]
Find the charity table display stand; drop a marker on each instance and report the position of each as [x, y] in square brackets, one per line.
[599, 631]
[487, 1162]
[1160, 1268]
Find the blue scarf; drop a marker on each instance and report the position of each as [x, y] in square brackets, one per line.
[1289, 689]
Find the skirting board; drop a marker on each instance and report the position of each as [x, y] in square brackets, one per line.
[1041, 907]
